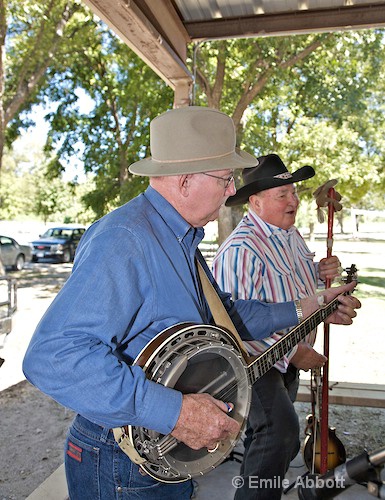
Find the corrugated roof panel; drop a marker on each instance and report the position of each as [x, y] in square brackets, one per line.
[206, 10]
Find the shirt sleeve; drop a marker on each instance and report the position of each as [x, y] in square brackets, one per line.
[257, 320]
[77, 353]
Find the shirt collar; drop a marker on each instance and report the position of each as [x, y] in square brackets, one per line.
[178, 225]
[284, 232]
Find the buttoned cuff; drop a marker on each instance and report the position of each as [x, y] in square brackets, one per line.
[162, 407]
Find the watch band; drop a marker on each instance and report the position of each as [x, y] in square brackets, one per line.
[298, 310]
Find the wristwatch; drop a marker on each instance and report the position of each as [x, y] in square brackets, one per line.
[298, 310]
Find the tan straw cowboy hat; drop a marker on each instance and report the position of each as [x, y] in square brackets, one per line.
[191, 140]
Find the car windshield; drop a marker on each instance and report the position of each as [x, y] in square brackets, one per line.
[58, 232]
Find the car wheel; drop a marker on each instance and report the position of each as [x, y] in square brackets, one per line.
[66, 256]
[34, 258]
[19, 264]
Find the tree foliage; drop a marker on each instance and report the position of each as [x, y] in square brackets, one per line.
[314, 99]
[32, 36]
[56, 53]
[28, 189]
[125, 95]
[17, 186]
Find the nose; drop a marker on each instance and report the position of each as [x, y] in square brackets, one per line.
[231, 189]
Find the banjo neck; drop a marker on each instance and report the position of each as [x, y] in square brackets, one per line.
[264, 362]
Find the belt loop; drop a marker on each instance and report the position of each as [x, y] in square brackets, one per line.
[104, 434]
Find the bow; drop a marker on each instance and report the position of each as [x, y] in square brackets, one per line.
[326, 196]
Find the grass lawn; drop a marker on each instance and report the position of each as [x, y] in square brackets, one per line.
[357, 352]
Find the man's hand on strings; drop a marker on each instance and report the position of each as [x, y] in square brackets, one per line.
[346, 310]
[347, 304]
[204, 422]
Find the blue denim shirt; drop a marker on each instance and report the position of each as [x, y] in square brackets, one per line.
[133, 276]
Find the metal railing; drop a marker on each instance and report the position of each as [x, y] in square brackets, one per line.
[8, 303]
[208, 249]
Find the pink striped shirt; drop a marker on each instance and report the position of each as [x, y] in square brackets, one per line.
[264, 262]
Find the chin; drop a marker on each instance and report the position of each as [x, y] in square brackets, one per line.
[288, 226]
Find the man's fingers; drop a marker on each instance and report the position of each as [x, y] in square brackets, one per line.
[203, 421]
[223, 405]
[349, 301]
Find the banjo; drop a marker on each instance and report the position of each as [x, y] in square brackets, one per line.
[194, 358]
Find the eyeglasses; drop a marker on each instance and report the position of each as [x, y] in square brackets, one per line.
[227, 180]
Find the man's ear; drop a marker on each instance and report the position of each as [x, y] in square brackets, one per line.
[254, 201]
[184, 184]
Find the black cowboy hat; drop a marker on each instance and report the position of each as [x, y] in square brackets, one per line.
[269, 173]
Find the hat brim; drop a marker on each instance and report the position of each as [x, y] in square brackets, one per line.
[153, 168]
[242, 195]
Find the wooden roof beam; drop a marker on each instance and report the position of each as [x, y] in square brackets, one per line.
[132, 25]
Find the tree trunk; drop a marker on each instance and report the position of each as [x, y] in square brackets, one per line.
[3, 31]
[311, 231]
[225, 223]
[340, 218]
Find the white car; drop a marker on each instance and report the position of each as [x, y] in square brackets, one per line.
[13, 254]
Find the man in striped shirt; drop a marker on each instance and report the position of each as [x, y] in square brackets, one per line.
[266, 258]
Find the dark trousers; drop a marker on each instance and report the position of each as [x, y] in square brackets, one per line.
[272, 436]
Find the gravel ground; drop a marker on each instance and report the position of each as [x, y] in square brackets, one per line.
[33, 426]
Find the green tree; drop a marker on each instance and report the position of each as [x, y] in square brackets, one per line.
[17, 180]
[60, 200]
[51, 51]
[28, 189]
[276, 88]
[125, 95]
[285, 95]
[32, 36]
[50, 198]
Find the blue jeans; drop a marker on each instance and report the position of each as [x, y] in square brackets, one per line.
[97, 469]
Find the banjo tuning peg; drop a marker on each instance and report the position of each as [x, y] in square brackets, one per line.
[351, 274]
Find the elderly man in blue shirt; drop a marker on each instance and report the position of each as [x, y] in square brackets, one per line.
[134, 276]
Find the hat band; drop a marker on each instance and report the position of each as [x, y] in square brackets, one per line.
[285, 175]
[193, 159]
